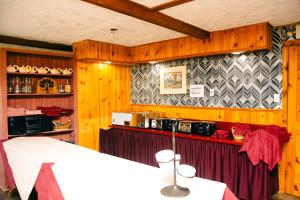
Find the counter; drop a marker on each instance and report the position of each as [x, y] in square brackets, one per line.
[213, 159]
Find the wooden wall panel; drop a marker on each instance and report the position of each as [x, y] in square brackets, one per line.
[254, 116]
[246, 38]
[86, 49]
[103, 51]
[120, 53]
[102, 89]
[291, 56]
[90, 50]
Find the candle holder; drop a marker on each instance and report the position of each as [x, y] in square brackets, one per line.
[174, 190]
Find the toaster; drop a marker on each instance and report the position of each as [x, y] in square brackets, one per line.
[203, 128]
[185, 126]
[156, 123]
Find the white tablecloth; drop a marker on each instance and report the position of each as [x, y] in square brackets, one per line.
[86, 174]
[27, 154]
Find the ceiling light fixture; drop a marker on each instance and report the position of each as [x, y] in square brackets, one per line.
[107, 62]
[113, 31]
[152, 62]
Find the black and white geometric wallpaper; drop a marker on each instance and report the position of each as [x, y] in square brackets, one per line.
[248, 80]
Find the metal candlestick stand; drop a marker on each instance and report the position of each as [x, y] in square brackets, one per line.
[174, 190]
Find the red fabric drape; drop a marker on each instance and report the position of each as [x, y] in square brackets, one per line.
[215, 161]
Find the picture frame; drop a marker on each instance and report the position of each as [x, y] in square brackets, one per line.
[173, 80]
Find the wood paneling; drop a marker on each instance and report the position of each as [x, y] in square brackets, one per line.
[169, 4]
[247, 38]
[94, 51]
[291, 57]
[253, 116]
[120, 53]
[102, 89]
[87, 49]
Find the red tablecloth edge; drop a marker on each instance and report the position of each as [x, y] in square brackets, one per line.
[46, 184]
[8, 172]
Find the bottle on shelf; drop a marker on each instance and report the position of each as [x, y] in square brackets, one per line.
[29, 86]
[17, 86]
[68, 87]
[24, 85]
[10, 86]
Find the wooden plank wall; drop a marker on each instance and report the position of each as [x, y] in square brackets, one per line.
[101, 90]
[246, 38]
[253, 116]
[291, 53]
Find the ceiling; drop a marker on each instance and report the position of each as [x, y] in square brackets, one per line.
[68, 21]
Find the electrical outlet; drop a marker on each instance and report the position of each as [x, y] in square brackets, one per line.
[211, 92]
[276, 98]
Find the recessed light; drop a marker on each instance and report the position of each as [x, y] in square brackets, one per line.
[237, 53]
[152, 62]
[107, 62]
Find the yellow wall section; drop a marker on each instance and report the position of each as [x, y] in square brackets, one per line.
[101, 90]
[253, 116]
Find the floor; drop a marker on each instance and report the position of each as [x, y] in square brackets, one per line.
[15, 196]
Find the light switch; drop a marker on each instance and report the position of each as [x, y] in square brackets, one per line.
[211, 92]
[276, 98]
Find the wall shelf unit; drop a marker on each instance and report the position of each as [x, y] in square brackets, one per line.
[56, 132]
[36, 94]
[37, 74]
[33, 99]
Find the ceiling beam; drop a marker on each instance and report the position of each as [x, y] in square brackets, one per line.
[34, 43]
[139, 11]
[169, 4]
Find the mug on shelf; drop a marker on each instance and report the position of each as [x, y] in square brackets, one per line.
[55, 71]
[43, 70]
[12, 68]
[33, 70]
[25, 69]
[67, 71]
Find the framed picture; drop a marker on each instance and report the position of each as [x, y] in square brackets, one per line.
[173, 80]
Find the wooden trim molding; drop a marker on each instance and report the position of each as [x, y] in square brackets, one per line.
[291, 43]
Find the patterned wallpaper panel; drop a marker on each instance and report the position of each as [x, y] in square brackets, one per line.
[248, 80]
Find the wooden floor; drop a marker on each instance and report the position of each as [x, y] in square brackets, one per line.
[15, 196]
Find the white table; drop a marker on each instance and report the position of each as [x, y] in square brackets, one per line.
[86, 174]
